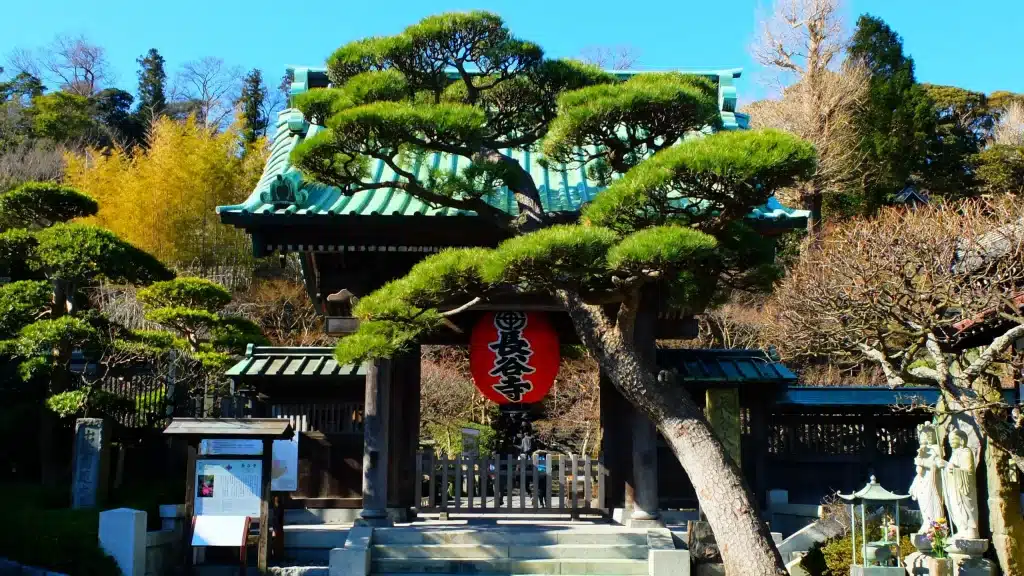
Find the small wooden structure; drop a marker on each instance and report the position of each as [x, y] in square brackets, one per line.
[193, 430]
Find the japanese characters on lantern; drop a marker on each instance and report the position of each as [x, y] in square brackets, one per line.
[514, 356]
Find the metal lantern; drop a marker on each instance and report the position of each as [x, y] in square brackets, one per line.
[872, 492]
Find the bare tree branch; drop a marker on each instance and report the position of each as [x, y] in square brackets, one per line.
[70, 62]
[621, 57]
[212, 86]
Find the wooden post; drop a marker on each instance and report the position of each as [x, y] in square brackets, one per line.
[645, 435]
[511, 466]
[616, 445]
[404, 430]
[375, 442]
[759, 437]
[190, 502]
[645, 469]
[471, 480]
[263, 552]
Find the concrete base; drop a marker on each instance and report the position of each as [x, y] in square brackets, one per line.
[354, 558]
[625, 517]
[122, 535]
[661, 562]
[349, 562]
[655, 522]
[921, 564]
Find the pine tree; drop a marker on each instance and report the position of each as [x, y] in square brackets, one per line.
[152, 82]
[254, 117]
[635, 248]
[899, 120]
[44, 311]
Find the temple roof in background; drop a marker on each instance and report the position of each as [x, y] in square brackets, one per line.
[284, 195]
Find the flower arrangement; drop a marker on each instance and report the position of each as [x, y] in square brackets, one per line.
[888, 529]
[937, 534]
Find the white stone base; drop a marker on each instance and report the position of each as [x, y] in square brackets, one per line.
[662, 562]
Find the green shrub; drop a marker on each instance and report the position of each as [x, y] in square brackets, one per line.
[61, 540]
[447, 436]
[833, 557]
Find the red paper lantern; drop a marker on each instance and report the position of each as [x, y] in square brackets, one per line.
[514, 356]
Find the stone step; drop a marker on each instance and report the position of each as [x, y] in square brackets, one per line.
[536, 552]
[323, 537]
[508, 566]
[307, 556]
[510, 537]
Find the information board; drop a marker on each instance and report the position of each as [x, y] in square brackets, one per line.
[231, 447]
[228, 487]
[284, 472]
[219, 531]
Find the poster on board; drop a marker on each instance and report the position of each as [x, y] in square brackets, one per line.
[284, 470]
[284, 473]
[228, 487]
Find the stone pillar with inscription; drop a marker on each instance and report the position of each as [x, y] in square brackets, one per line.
[91, 456]
[722, 408]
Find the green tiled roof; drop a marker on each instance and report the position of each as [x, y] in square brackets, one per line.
[706, 366]
[282, 191]
[292, 362]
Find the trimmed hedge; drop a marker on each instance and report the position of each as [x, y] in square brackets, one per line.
[58, 539]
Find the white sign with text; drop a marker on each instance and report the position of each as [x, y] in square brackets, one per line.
[228, 487]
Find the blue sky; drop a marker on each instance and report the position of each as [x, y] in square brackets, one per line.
[977, 44]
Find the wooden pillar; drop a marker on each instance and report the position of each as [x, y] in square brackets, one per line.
[616, 444]
[375, 442]
[645, 435]
[645, 469]
[190, 503]
[759, 437]
[263, 550]
[404, 430]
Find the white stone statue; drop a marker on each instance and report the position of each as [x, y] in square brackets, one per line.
[927, 486]
[960, 487]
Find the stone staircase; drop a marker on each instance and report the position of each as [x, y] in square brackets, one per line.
[311, 545]
[594, 550]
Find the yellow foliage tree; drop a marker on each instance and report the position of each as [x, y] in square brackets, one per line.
[162, 199]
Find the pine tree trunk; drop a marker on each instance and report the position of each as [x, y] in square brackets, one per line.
[49, 467]
[744, 540]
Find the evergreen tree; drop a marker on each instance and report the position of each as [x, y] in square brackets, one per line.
[635, 250]
[898, 122]
[963, 121]
[113, 111]
[152, 82]
[45, 314]
[254, 117]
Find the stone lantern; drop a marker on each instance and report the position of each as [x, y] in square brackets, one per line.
[877, 555]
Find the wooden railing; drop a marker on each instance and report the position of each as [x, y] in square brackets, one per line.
[326, 417]
[548, 484]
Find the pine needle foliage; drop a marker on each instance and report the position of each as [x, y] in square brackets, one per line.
[193, 309]
[40, 204]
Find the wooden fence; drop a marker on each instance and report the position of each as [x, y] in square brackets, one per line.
[548, 484]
